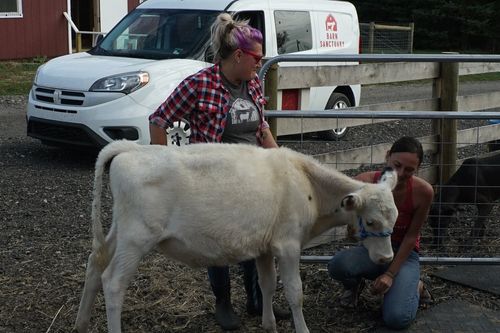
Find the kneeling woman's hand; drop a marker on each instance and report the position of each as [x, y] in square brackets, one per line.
[382, 284]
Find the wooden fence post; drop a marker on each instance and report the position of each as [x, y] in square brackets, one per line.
[410, 37]
[448, 127]
[78, 42]
[371, 37]
[271, 92]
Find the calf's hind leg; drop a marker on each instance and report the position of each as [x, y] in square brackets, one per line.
[118, 274]
[92, 285]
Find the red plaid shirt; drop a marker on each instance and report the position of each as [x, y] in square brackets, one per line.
[202, 100]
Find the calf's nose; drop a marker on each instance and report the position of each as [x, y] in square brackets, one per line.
[384, 260]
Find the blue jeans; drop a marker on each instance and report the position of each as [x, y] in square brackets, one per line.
[401, 301]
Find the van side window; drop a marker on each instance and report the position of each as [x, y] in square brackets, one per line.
[256, 20]
[293, 31]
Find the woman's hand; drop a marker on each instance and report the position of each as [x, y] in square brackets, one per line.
[382, 284]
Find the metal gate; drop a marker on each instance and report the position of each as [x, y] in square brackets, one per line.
[475, 135]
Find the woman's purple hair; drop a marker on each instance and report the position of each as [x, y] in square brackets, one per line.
[246, 36]
[229, 34]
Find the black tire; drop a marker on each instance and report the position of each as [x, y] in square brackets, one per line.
[336, 101]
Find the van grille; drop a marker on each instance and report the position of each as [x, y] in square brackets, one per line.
[62, 97]
[58, 132]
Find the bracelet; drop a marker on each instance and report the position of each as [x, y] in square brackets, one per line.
[390, 274]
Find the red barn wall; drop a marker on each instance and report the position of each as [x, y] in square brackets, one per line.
[132, 4]
[42, 31]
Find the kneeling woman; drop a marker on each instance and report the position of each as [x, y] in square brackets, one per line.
[398, 281]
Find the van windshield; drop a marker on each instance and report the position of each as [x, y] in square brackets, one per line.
[159, 34]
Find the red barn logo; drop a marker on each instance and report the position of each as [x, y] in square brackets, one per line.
[331, 23]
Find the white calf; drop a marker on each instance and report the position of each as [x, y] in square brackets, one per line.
[218, 204]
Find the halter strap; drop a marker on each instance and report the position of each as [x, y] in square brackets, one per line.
[362, 233]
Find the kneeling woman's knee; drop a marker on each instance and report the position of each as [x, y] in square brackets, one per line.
[398, 319]
[336, 268]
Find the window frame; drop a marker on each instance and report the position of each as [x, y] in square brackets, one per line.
[16, 14]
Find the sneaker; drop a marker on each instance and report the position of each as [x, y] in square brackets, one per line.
[350, 297]
[426, 299]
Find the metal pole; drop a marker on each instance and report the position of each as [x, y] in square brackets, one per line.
[423, 260]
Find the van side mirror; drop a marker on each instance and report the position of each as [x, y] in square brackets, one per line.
[98, 39]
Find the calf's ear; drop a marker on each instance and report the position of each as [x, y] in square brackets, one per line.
[351, 202]
[389, 178]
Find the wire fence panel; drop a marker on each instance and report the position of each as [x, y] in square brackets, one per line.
[461, 228]
[377, 38]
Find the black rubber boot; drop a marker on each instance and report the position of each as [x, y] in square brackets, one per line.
[224, 312]
[225, 315]
[254, 294]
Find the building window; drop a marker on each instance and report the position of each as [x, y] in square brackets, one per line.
[293, 31]
[11, 8]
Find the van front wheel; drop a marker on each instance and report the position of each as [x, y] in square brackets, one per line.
[178, 134]
[336, 101]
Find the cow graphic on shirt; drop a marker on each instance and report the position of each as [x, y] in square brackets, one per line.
[243, 111]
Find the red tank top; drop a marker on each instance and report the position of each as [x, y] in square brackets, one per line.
[405, 214]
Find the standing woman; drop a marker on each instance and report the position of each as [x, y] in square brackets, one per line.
[399, 281]
[223, 103]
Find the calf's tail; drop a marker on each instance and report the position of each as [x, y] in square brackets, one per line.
[106, 155]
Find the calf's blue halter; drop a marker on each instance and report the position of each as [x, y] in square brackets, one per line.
[362, 233]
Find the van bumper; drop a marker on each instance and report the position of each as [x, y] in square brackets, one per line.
[95, 126]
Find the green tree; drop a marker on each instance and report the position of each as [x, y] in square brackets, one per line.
[444, 25]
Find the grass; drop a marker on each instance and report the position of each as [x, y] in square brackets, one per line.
[16, 78]
[481, 77]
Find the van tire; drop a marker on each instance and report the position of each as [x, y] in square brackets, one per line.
[336, 101]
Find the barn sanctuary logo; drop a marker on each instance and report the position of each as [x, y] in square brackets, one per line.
[331, 37]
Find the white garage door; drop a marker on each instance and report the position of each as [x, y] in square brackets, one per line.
[111, 12]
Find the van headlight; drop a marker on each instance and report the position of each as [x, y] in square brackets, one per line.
[124, 83]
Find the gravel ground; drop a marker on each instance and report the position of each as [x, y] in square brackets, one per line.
[45, 196]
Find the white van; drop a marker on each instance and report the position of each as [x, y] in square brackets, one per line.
[91, 98]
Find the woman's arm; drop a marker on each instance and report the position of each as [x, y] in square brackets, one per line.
[268, 139]
[158, 135]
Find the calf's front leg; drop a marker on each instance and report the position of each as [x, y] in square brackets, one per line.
[267, 283]
[292, 284]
